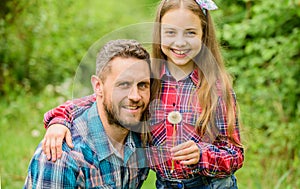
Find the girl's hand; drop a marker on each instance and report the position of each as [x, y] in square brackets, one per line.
[188, 153]
[52, 142]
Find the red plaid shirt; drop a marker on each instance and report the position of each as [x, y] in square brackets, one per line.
[218, 158]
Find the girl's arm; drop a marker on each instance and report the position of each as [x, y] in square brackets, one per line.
[220, 158]
[58, 121]
[65, 113]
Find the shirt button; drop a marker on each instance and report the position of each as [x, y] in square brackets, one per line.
[179, 185]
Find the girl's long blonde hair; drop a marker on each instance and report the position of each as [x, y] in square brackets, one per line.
[214, 81]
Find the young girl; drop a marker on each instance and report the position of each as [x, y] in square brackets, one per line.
[193, 119]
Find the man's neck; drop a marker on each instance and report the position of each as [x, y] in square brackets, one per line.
[116, 134]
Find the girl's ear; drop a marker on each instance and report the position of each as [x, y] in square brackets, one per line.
[97, 85]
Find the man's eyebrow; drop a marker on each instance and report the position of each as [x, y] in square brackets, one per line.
[145, 80]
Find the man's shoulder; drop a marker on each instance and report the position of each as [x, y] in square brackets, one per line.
[83, 131]
[39, 159]
[81, 125]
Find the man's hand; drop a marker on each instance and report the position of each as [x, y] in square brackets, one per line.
[52, 142]
[188, 153]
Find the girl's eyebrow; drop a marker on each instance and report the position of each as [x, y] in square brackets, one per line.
[168, 27]
[191, 29]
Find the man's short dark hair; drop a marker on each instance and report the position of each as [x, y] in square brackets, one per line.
[125, 48]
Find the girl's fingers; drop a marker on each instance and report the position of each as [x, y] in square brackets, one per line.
[46, 148]
[58, 147]
[69, 139]
[187, 153]
[187, 159]
[52, 143]
[53, 149]
[190, 161]
[185, 148]
[182, 146]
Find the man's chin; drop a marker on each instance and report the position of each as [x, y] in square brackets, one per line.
[132, 125]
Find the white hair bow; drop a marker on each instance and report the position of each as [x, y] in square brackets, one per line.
[206, 5]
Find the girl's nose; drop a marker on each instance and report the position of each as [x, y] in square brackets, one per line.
[180, 41]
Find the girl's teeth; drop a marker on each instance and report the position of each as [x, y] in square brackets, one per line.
[179, 52]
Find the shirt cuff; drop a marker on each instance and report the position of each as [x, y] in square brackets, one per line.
[59, 121]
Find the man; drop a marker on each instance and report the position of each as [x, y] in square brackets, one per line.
[107, 149]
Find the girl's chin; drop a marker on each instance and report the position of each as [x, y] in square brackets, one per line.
[180, 62]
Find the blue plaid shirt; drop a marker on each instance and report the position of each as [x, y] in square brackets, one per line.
[92, 163]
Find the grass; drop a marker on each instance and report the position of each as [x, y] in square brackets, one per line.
[22, 119]
[150, 182]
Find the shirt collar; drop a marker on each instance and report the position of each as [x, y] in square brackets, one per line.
[166, 72]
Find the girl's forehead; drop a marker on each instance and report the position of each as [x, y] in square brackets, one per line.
[180, 12]
[181, 17]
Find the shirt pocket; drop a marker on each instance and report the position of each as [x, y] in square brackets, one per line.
[157, 111]
[188, 125]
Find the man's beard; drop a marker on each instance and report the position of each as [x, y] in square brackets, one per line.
[112, 119]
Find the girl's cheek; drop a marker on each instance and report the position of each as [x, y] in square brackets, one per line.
[166, 40]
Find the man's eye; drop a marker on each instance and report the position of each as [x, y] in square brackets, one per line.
[124, 84]
[143, 85]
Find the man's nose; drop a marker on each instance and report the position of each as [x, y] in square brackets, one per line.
[134, 94]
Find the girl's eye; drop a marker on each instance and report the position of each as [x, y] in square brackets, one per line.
[169, 32]
[191, 33]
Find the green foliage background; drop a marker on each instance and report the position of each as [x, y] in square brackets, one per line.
[42, 43]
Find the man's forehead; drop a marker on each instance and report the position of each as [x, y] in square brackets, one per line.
[129, 69]
[127, 65]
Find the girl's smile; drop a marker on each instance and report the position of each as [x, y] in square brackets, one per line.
[181, 35]
[180, 53]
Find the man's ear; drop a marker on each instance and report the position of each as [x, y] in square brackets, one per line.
[97, 85]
